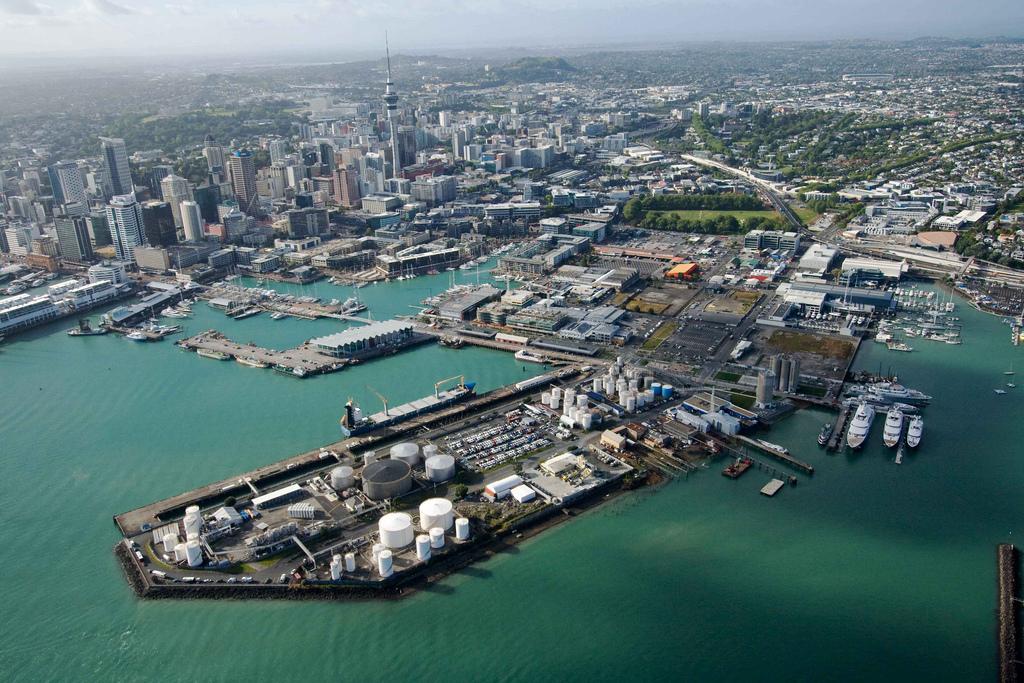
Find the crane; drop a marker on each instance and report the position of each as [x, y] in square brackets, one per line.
[381, 397]
[437, 385]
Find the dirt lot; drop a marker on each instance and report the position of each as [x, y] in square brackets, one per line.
[827, 347]
[735, 302]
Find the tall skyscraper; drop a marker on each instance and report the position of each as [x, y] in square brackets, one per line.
[124, 216]
[459, 140]
[214, 154]
[391, 105]
[175, 189]
[406, 147]
[192, 221]
[325, 155]
[73, 238]
[243, 181]
[207, 197]
[278, 150]
[158, 225]
[157, 174]
[115, 164]
[67, 183]
[346, 187]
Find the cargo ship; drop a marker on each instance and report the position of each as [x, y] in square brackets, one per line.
[353, 422]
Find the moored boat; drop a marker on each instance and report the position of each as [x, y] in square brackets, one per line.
[893, 427]
[860, 426]
[915, 431]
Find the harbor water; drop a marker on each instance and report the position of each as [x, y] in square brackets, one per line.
[865, 571]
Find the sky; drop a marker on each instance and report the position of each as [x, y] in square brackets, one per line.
[40, 28]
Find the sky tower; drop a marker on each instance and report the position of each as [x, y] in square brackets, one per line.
[391, 102]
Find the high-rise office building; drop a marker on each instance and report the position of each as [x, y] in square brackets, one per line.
[175, 189]
[192, 221]
[67, 183]
[243, 181]
[115, 164]
[459, 140]
[157, 174]
[406, 147]
[99, 228]
[278, 150]
[73, 238]
[346, 187]
[158, 224]
[214, 154]
[124, 216]
[207, 197]
[325, 155]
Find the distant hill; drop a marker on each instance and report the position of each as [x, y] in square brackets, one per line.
[531, 69]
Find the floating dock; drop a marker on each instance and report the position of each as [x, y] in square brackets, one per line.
[1009, 645]
[772, 487]
[786, 458]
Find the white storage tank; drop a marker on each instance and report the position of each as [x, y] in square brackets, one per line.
[436, 512]
[609, 386]
[342, 477]
[407, 451]
[462, 529]
[570, 396]
[429, 451]
[440, 467]
[179, 552]
[384, 564]
[192, 524]
[368, 457]
[582, 401]
[554, 403]
[350, 562]
[587, 421]
[395, 530]
[192, 510]
[336, 568]
[595, 385]
[545, 398]
[630, 403]
[193, 553]
[423, 547]
[437, 537]
[648, 381]
[170, 541]
[556, 394]
[377, 549]
[633, 386]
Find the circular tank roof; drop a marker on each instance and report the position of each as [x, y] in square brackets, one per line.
[435, 507]
[395, 521]
[384, 471]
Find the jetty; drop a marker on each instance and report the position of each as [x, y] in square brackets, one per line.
[786, 458]
[839, 430]
[1009, 644]
[302, 361]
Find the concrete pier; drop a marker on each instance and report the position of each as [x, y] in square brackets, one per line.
[1009, 644]
[301, 361]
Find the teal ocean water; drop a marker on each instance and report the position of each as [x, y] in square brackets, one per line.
[866, 571]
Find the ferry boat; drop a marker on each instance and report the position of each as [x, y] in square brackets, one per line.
[353, 422]
[893, 427]
[252, 362]
[825, 434]
[915, 430]
[525, 356]
[860, 426]
[210, 353]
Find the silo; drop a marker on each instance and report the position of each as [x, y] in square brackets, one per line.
[179, 552]
[384, 564]
[794, 374]
[440, 467]
[386, 479]
[407, 451]
[429, 451]
[423, 547]
[782, 377]
[336, 568]
[545, 398]
[395, 530]
[609, 386]
[633, 385]
[554, 403]
[377, 549]
[587, 421]
[350, 562]
[666, 390]
[462, 529]
[556, 394]
[436, 512]
[776, 368]
[582, 401]
[437, 537]
[568, 407]
[631, 403]
[595, 385]
[342, 477]
[765, 385]
[193, 553]
[170, 540]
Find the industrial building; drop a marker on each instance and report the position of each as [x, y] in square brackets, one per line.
[377, 336]
[463, 305]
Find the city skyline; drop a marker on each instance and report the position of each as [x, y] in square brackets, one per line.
[36, 28]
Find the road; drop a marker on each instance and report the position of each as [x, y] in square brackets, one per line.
[767, 190]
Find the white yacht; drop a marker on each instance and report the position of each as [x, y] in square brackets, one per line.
[914, 431]
[893, 427]
[860, 426]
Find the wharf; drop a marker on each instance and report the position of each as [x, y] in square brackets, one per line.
[839, 429]
[778, 455]
[274, 475]
[1009, 644]
[511, 347]
[301, 361]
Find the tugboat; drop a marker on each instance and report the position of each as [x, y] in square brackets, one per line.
[825, 434]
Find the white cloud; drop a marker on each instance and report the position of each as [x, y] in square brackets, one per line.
[106, 8]
[23, 7]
